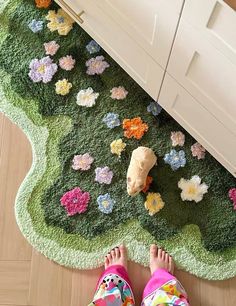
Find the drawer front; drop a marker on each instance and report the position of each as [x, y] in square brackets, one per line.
[152, 24]
[217, 22]
[116, 42]
[206, 73]
[200, 123]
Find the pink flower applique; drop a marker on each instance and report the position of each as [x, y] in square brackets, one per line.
[198, 150]
[178, 139]
[96, 65]
[67, 62]
[51, 47]
[232, 196]
[82, 162]
[75, 201]
[118, 93]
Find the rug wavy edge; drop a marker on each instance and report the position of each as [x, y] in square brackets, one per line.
[70, 258]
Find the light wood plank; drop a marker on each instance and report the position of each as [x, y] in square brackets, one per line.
[50, 284]
[15, 161]
[14, 282]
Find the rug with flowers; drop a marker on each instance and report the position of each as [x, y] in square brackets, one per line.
[84, 116]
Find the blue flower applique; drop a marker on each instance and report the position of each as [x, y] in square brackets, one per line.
[175, 159]
[105, 203]
[154, 108]
[36, 25]
[93, 47]
[112, 120]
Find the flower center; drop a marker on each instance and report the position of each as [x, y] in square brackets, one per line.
[133, 127]
[192, 190]
[60, 19]
[75, 200]
[105, 203]
[41, 68]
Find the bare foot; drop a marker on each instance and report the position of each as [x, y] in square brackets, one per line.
[160, 259]
[117, 256]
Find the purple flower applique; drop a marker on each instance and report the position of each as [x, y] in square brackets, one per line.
[103, 175]
[96, 65]
[36, 25]
[42, 70]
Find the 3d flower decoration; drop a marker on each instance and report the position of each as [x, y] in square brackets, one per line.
[198, 151]
[82, 162]
[112, 120]
[59, 21]
[96, 65]
[67, 62]
[134, 128]
[154, 108]
[192, 190]
[117, 146]
[105, 203]
[43, 3]
[42, 69]
[87, 97]
[36, 25]
[103, 175]
[175, 159]
[75, 201]
[178, 138]
[154, 203]
[232, 196]
[149, 181]
[63, 87]
[93, 47]
[51, 47]
[118, 93]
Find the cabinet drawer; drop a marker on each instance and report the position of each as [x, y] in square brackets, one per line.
[217, 22]
[118, 44]
[152, 24]
[200, 123]
[206, 73]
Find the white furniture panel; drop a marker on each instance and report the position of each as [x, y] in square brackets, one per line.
[208, 75]
[129, 55]
[152, 24]
[203, 125]
[217, 22]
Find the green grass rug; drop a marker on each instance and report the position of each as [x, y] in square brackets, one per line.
[73, 101]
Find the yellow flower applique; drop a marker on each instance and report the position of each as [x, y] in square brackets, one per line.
[63, 87]
[154, 203]
[117, 146]
[59, 21]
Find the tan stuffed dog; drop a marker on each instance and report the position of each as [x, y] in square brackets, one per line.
[142, 161]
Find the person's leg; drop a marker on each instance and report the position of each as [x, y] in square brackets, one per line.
[163, 288]
[114, 287]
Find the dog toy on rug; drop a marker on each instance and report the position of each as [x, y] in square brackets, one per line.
[142, 161]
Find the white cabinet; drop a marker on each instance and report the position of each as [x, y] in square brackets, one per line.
[131, 56]
[152, 24]
[181, 52]
[199, 122]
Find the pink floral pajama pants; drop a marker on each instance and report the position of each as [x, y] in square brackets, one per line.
[114, 289]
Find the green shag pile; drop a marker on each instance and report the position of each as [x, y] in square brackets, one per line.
[200, 236]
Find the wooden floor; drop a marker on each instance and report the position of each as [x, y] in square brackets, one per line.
[28, 278]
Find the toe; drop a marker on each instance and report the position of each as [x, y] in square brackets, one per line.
[117, 252]
[166, 258]
[106, 262]
[171, 265]
[159, 253]
[113, 254]
[153, 250]
[109, 258]
[123, 251]
[163, 255]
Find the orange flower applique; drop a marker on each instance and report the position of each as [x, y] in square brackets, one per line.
[43, 3]
[134, 128]
[148, 183]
